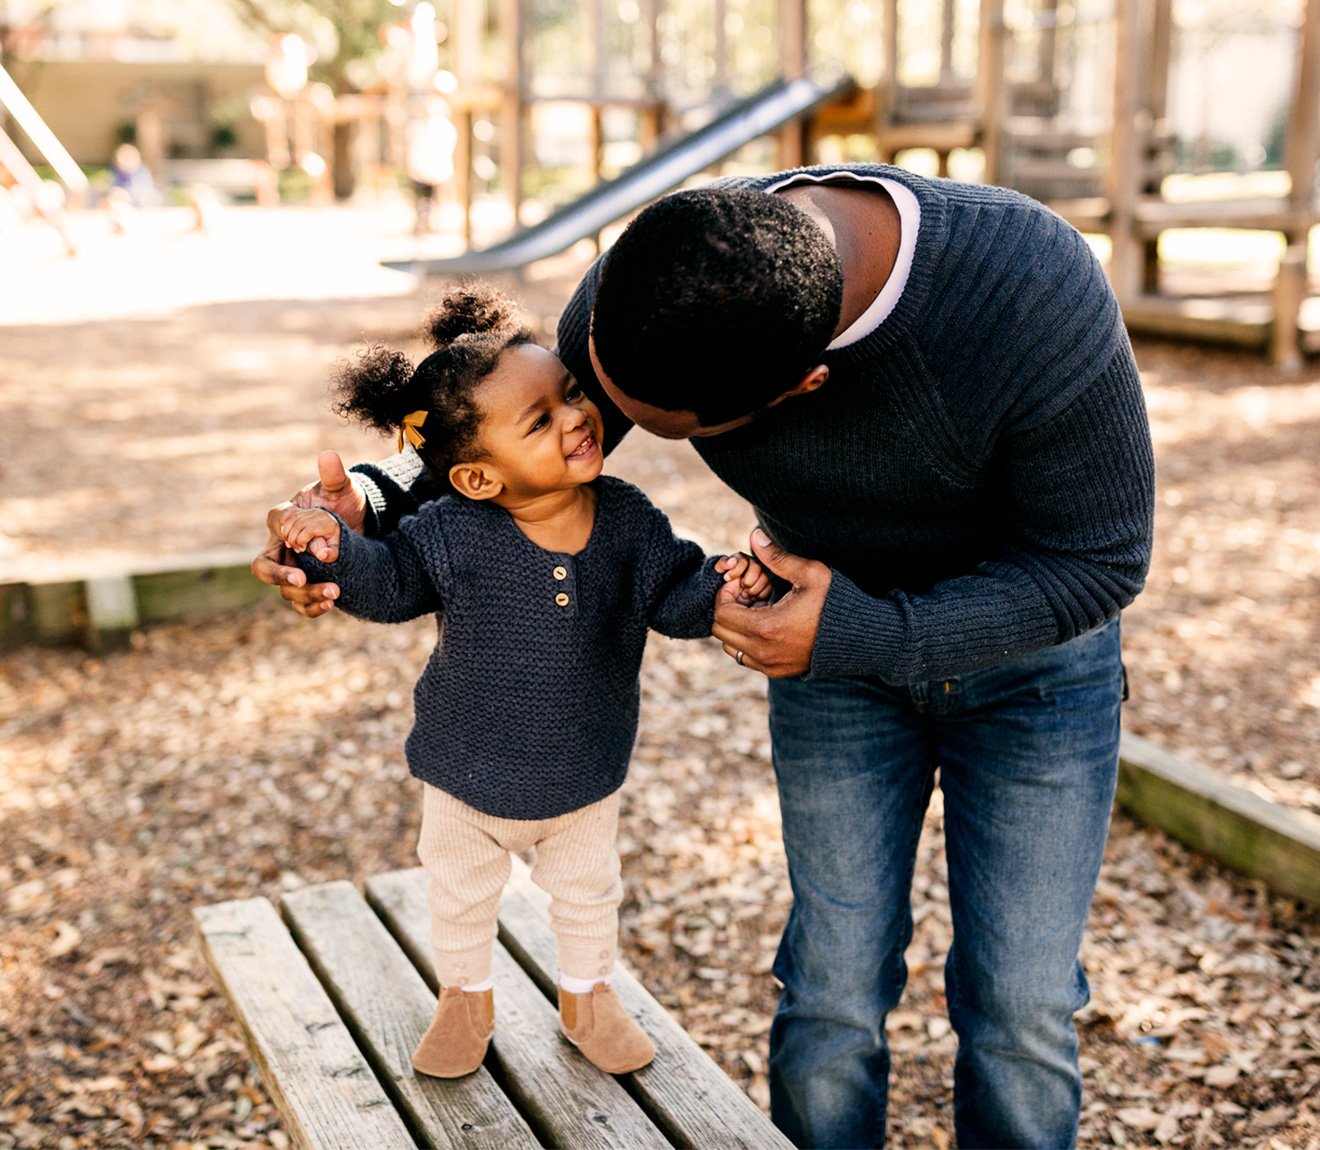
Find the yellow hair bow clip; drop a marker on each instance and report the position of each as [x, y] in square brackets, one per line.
[409, 430]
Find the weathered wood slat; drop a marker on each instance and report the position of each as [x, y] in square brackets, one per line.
[1198, 807]
[567, 1101]
[1242, 321]
[683, 1091]
[167, 595]
[387, 1007]
[320, 1083]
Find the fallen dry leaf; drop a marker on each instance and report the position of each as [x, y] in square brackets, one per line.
[67, 939]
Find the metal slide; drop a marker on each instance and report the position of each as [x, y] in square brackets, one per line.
[652, 176]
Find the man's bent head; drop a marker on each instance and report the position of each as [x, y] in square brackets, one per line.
[714, 303]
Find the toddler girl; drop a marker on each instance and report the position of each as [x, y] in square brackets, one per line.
[547, 575]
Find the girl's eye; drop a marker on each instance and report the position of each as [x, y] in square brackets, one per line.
[541, 421]
[574, 393]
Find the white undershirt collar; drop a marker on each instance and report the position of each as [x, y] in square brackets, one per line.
[909, 214]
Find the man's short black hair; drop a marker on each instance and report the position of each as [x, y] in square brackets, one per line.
[716, 301]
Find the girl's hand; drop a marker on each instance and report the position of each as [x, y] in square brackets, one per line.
[754, 583]
[335, 490]
[310, 529]
[776, 639]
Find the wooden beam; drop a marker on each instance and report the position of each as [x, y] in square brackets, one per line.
[56, 612]
[793, 24]
[63, 603]
[1240, 322]
[1123, 180]
[1156, 98]
[686, 1094]
[321, 1085]
[991, 88]
[512, 113]
[196, 592]
[944, 137]
[388, 1007]
[567, 1101]
[1257, 213]
[1301, 144]
[1301, 150]
[1289, 293]
[112, 611]
[1199, 808]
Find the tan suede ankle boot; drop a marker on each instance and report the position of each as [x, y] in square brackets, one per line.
[455, 1042]
[597, 1025]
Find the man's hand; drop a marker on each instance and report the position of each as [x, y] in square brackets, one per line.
[775, 640]
[335, 491]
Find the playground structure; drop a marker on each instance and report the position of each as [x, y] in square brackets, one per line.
[1068, 102]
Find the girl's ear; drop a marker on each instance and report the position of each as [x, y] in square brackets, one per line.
[475, 480]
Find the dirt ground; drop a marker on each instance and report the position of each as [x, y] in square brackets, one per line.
[251, 754]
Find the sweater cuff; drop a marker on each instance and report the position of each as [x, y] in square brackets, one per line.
[394, 487]
[859, 635]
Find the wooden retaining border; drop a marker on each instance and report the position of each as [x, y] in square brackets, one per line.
[1201, 809]
[59, 605]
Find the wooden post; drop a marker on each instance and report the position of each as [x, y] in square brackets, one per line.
[1300, 145]
[1300, 155]
[597, 142]
[992, 86]
[1125, 150]
[1046, 50]
[653, 115]
[112, 611]
[793, 53]
[720, 15]
[466, 40]
[1156, 103]
[512, 105]
[946, 42]
[1289, 292]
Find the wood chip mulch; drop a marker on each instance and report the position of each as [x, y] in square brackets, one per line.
[252, 754]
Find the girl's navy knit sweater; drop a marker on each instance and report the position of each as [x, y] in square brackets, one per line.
[977, 471]
[528, 706]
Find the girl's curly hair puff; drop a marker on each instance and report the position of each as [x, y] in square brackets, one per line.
[469, 330]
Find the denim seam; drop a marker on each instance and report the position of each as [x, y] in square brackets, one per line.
[914, 840]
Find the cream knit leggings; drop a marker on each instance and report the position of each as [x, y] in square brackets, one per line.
[466, 856]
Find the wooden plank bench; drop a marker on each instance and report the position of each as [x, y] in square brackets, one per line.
[334, 991]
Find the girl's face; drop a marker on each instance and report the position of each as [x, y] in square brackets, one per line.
[540, 432]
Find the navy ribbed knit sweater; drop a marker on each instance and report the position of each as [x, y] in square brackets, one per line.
[977, 471]
[528, 706]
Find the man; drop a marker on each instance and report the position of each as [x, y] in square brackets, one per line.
[926, 391]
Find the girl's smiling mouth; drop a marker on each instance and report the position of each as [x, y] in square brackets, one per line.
[585, 448]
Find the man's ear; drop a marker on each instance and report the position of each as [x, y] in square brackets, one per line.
[809, 382]
[475, 480]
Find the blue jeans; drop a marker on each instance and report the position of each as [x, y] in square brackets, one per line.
[1027, 754]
